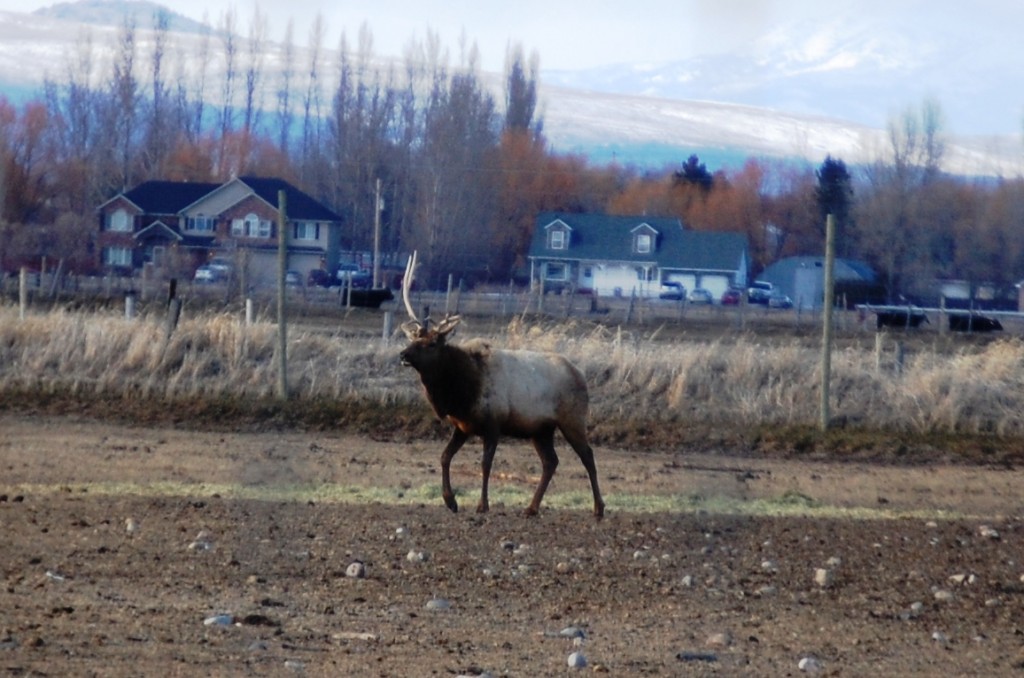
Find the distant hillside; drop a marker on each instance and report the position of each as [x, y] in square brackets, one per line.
[114, 13]
[660, 123]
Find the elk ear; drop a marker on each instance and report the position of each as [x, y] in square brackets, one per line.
[447, 326]
[412, 330]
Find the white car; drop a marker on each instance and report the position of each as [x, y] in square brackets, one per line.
[206, 274]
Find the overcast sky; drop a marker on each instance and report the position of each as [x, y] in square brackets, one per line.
[567, 35]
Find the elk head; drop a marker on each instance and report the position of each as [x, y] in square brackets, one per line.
[424, 339]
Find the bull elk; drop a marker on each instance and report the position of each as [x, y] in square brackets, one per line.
[491, 392]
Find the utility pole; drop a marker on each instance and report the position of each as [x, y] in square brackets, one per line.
[376, 236]
[282, 327]
[826, 333]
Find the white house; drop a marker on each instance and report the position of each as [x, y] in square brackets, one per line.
[612, 255]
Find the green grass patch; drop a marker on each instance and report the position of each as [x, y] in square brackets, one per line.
[790, 504]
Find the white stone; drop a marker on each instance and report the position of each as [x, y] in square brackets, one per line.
[356, 570]
[577, 660]
[988, 532]
[809, 664]
[219, 620]
[438, 604]
[824, 577]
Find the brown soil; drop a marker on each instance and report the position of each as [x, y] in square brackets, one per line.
[117, 580]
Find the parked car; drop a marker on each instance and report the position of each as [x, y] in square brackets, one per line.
[221, 267]
[320, 278]
[779, 300]
[293, 279]
[360, 279]
[759, 292]
[207, 274]
[672, 291]
[732, 297]
[699, 295]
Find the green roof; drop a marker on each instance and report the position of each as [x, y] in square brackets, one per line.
[602, 237]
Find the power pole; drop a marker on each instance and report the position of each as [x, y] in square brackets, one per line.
[826, 334]
[376, 236]
[282, 327]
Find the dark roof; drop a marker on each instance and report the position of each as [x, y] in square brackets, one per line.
[602, 237]
[300, 205]
[167, 197]
[783, 270]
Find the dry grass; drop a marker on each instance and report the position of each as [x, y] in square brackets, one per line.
[640, 382]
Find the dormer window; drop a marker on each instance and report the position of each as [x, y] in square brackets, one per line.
[643, 243]
[644, 239]
[557, 239]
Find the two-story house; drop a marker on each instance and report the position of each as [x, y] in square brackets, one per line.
[175, 227]
[626, 254]
[145, 226]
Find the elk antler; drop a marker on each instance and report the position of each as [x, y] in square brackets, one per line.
[414, 325]
[448, 324]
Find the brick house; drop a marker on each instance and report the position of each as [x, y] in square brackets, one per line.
[175, 227]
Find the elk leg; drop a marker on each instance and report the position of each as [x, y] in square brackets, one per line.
[490, 445]
[454, 445]
[578, 440]
[544, 443]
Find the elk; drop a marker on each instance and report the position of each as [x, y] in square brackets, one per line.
[491, 392]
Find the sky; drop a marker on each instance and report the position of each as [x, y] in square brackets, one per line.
[566, 35]
[574, 35]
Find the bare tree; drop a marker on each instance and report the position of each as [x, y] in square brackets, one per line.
[124, 99]
[158, 134]
[227, 122]
[311, 102]
[284, 90]
[254, 71]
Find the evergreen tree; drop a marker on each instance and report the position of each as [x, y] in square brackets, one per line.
[834, 194]
[695, 173]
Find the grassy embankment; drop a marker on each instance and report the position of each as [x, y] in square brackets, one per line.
[741, 393]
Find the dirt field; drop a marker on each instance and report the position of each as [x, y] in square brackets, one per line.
[121, 546]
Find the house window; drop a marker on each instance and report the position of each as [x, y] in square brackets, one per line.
[558, 239]
[643, 243]
[119, 221]
[117, 256]
[201, 223]
[644, 274]
[555, 272]
[251, 227]
[307, 230]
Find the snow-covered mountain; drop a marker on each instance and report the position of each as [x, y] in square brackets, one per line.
[851, 67]
[783, 97]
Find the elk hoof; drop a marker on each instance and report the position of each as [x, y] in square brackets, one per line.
[530, 512]
[451, 504]
[481, 507]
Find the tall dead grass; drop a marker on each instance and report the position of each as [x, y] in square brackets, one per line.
[632, 378]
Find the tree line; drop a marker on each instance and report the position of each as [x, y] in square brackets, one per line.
[464, 170]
